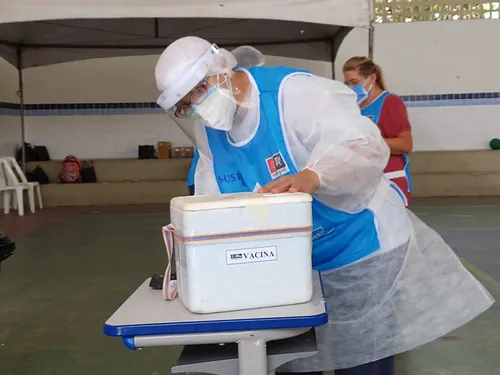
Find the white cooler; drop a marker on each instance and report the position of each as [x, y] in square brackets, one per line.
[242, 251]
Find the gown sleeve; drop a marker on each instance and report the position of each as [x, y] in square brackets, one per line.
[327, 134]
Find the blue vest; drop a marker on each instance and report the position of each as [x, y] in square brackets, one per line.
[192, 170]
[339, 238]
[373, 112]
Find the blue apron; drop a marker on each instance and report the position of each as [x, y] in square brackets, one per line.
[192, 170]
[339, 238]
[373, 111]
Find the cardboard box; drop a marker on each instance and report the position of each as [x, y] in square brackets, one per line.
[164, 150]
[183, 152]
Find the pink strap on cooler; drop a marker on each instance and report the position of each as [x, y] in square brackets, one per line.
[169, 286]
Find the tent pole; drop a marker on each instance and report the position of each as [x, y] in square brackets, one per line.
[157, 28]
[333, 55]
[21, 104]
[371, 41]
[335, 43]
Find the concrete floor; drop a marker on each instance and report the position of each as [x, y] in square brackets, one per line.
[74, 267]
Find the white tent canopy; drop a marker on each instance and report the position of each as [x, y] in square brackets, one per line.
[56, 31]
[355, 13]
[50, 42]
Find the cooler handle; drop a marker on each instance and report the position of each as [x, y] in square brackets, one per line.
[169, 289]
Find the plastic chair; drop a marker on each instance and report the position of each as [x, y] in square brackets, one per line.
[9, 184]
[34, 185]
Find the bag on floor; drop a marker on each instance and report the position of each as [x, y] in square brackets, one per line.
[40, 176]
[29, 176]
[147, 152]
[42, 153]
[88, 172]
[71, 172]
[30, 153]
[7, 247]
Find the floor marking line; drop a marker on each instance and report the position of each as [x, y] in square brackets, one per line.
[468, 229]
[439, 207]
[481, 274]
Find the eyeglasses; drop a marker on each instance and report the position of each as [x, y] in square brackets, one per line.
[197, 95]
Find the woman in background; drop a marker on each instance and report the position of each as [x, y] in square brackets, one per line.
[388, 112]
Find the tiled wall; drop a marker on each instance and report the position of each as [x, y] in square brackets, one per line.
[452, 100]
[83, 109]
[9, 109]
[150, 108]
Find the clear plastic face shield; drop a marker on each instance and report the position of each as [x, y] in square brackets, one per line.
[204, 92]
[211, 102]
[184, 115]
[203, 95]
[188, 89]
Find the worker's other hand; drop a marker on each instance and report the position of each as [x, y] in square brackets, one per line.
[306, 181]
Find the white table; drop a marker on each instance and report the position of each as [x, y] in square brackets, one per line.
[146, 320]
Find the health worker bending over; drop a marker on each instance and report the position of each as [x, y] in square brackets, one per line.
[390, 282]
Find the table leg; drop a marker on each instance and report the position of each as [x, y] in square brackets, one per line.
[252, 357]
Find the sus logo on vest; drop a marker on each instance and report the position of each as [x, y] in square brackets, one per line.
[230, 177]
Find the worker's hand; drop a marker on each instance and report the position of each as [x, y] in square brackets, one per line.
[305, 181]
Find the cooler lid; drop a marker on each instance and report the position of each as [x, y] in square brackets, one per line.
[215, 202]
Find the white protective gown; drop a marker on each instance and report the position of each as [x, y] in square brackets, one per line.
[410, 292]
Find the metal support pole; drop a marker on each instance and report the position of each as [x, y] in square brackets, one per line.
[335, 43]
[333, 54]
[371, 41]
[157, 28]
[21, 105]
[252, 357]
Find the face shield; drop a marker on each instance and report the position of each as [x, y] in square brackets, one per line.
[188, 79]
[183, 73]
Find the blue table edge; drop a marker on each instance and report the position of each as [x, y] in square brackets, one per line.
[216, 326]
[129, 332]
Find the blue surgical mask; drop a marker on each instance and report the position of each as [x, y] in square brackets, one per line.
[361, 92]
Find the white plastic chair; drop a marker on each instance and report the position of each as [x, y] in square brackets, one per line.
[21, 178]
[9, 184]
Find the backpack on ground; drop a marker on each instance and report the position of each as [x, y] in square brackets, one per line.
[88, 172]
[71, 172]
[7, 247]
[40, 176]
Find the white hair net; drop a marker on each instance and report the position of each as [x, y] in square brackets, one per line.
[185, 63]
[248, 57]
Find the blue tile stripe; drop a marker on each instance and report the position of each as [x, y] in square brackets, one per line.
[151, 108]
[82, 109]
[452, 100]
